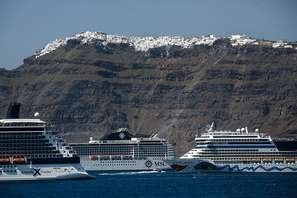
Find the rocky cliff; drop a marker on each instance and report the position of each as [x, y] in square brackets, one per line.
[92, 83]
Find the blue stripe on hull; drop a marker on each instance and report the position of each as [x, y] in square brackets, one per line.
[236, 168]
[235, 146]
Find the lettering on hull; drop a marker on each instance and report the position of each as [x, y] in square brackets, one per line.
[36, 172]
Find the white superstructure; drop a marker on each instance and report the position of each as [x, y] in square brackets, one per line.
[29, 151]
[120, 151]
[236, 151]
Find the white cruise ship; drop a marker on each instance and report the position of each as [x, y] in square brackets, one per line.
[236, 151]
[29, 151]
[121, 151]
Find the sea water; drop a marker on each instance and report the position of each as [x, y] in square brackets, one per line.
[160, 184]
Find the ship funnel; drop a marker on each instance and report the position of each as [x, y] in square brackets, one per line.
[13, 110]
[122, 130]
[154, 135]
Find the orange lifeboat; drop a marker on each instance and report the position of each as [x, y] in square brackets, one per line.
[4, 161]
[93, 157]
[19, 160]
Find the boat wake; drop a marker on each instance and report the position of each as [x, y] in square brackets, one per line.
[132, 173]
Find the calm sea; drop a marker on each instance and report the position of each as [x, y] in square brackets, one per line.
[146, 184]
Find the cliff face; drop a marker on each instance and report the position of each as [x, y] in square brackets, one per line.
[91, 89]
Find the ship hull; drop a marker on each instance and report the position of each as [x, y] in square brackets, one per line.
[27, 172]
[124, 165]
[194, 165]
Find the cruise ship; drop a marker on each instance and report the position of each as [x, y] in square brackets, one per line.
[29, 150]
[237, 151]
[121, 151]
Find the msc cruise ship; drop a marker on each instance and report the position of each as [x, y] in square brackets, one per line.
[30, 151]
[121, 151]
[237, 151]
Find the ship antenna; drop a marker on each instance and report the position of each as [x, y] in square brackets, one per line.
[212, 127]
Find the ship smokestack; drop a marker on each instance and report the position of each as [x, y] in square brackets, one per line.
[13, 111]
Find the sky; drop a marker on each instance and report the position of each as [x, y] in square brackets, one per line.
[27, 26]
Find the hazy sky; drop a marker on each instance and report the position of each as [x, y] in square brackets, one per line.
[28, 25]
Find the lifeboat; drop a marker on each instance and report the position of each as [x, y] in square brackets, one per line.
[93, 157]
[19, 160]
[116, 157]
[127, 157]
[266, 160]
[290, 159]
[104, 157]
[4, 161]
[279, 160]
